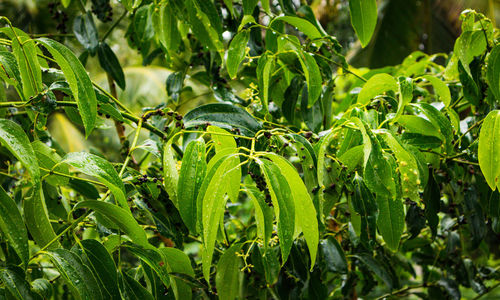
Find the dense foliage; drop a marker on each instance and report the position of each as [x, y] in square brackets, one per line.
[308, 179]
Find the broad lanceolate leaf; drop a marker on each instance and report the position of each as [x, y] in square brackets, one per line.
[419, 125]
[191, 176]
[224, 143]
[223, 115]
[152, 258]
[263, 214]
[284, 206]
[227, 279]
[95, 256]
[407, 165]
[165, 27]
[103, 170]
[178, 262]
[333, 255]
[86, 32]
[364, 204]
[468, 45]
[363, 19]
[439, 120]
[302, 25]
[78, 80]
[440, 88]
[48, 158]
[376, 85]
[211, 202]
[390, 220]
[12, 226]
[15, 140]
[205, 24]
[131, 289]
[489, 149]
[170, 173]
[109, 62]
[9, 70]
[236, 52]
[25, 52]
[313, 76]
[78, 276]
[405, 86]
[493, 71]
[265, 68]
[121, 217]
[14, 280]
[305, 213]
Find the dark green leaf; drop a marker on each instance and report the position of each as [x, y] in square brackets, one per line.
[390, 220]
[313, 76]
[48, 158]
[376, 267]
[133, 290]
[109, 62]
[174, 85]
[42, 287]
[86, 32]
[223, 115]
[14, 279]
[493, 71]
[263, 214]
[227, 279]
[9, 70]
[432, 201]
[333, 255]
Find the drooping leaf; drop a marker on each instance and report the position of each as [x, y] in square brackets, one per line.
[78, 80]
[333, 255]
[178, 262]
[405, 88]
[191, 176]
[15, 140]
[302, 25]
[313, 76]
[227, 279]
[489, 149]
[263, 214]
[86, 32]
[493, 71]
[121, 217]
[223, 115]
[131, 289]
[205, 24]
[48, 158]
[165, 27]
[306, 218]
[376, 267]
[363, 19]
[12, 226]
[9, 70]
[174, 84]
[364, 204]
[95, 256]
[101, 169]
[432, 201]
[376, 85]
[440, 88]
[439, 120]
[109, 62]
[152, 258]
[224, 142]
[468, 45]
[284, 206]
[390, 220]
[14, 280]
[264, 71]
[170, 173]
[236, 52]
[77, 275]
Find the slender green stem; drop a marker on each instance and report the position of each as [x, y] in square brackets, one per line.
[113, 26]
[52, 172]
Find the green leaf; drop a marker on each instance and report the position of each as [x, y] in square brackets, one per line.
[313, 76]
[77, 275]
[151, 257]
[407, 166]
[417, 124]
[225, 143]
[284, 206]
[439, 120]
[352, 157]
[9, 70]
[178, 262]
[375, 86]
[25, 51]
[109, 62]
[211, 202]
[78, 80]
[390, 220]
[227, 278]
[205, 24]
[376, 267]
[302, 25]
[223, 115]
[12, 226]
[101, 169]
[305, 213]
[364, 204]
[236, 52]
[48, 158]
[130, 5]
[165, 27]
[86, 32]
[333, 255]
[489, 149]
[405, 86]
[440, 88]
[13, 278]
[96, 257]
[468, 45]
[15, 140]
[363, 19]
[42, 287]
[432, 201]
[264, 71]
[249, 6]
[191, 177]
[263, 214]
[493, 71]
[133, 290]
[120, 217]
[170, 173]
